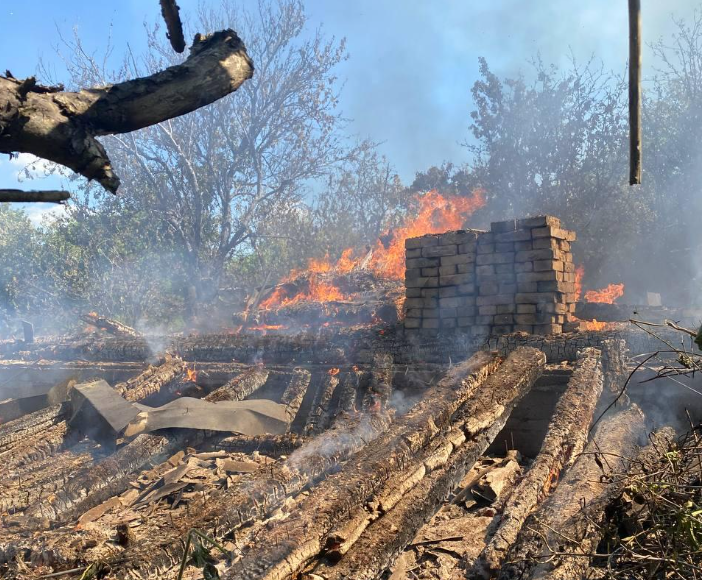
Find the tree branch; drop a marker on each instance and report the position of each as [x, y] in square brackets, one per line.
[62, 126]
[19, 196]
[169, 11]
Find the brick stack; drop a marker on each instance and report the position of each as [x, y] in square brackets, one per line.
[440, 280]
[519, 276]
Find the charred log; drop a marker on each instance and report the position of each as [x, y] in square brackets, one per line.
[152, 380]
[585, 484]
[282, 551]
[109, 325]
[321, 414]
[295, 392]
[240, 387]
[566, 436]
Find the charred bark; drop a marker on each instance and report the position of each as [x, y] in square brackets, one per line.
[240, 387]
[152, 380]
[566, 436]
[584, 485]
[63, 126]
[295, 392]
[114, 327]
[321, 414]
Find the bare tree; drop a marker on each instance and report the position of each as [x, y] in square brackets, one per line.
[211, 178]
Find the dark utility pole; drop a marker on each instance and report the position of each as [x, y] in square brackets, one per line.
[634, 92]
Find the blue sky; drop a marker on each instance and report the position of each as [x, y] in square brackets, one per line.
[412, 62]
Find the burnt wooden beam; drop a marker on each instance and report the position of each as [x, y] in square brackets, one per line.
[62, 126]
[240, 387]
[33, 196]
[634, 92]
[565, 438]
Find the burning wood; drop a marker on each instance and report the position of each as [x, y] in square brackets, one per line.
[112, 326]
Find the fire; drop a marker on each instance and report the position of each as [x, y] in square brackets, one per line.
[436, 214]
[334, 371]
[606, 295]
[191, 374]
[595, 325]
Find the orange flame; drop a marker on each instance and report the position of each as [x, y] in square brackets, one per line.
[334, 371]
[191, 374]
[606, 295]
[436, 214]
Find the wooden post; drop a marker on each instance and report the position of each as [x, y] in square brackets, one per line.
[634, 92]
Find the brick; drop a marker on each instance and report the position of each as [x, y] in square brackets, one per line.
[564, 246]
[465, 268]
[457, 259]
[458, 237]
[536, 298]
[513, 236]
[430, 272]
[413, 273]
[448, 313]
[526, 318]
[539, 222]
[464, 321]
[533, 255]
[421, 242]
[507, 288]
[450, 302]
[504, 247]
[488, 310]
[569, 276]
[544, 265]
[483, 319]
[467, 248]
[430, 323]
[553, 308]
[489, 289]
[467, 300]
[523, 266]
[503, 319]
[502, 329]
[414, 303]
[466, 289]
[456, 279]
[422, 283]
[413, 323]
[495, 300]
[497, 258]
[430, 292]
[506, 308]
[521, 246]
[527, 287]
[505, 226]
[448, 291]
[569, 267]
[448, 323]
[438, 251]
[488, 270]
[545, 329]
[551, 232]
[413, 292]
[466, 311]
[415, 253]
[548, 276]
[526, 308]
[430, 312]
[448, 270]
[529, 329]
[486, 238]
[480, 330]
[504, 268]
[414, 263]
[546, 244]
[413, 313]
[486, 249]
[564, 287]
